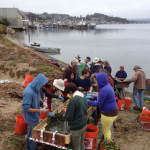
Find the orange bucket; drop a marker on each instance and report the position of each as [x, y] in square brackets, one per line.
[127, 103]
[21, 125]
[91, 137]
[120, 104]
[145, 113]
[27, 80]
[145, 120]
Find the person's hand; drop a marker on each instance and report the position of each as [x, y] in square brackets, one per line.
[61, 98]
[65, 108]
[44, 104]
[51, 114]
[43, 110]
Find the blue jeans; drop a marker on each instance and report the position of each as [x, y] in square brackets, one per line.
[136, 101]
[30, 145]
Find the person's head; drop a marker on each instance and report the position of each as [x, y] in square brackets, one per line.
[106, 63]
[100, 62]
[74, 62]
[87, 59]
[70, 88]
[70, 76]
[78, 57]
[101, 78]
[136, 68]
[95, 60]
[59, 84]
[38, 82]
[85, 73]
[121, 67]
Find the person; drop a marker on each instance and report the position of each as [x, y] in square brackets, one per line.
[84, 65]
[47, 90]
[106, 103]
[107, 66]
[71, 67]
[76, 114]
[121, 75]
[95, 66]
[138, 78]
[83, 82]
[31, 107]
[59, 89]
[70, 77]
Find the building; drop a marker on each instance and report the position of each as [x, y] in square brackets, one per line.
[13, 15]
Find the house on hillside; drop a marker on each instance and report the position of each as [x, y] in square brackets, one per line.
[14, 16]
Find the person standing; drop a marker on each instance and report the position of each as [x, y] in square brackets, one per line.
[76, 114]
[138, 78]
[107, 104]
[107, 66]
[31, 107]
[84, 65]
[121, 75]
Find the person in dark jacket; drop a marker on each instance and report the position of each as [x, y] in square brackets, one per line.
[106, 103]
[107, 66]
[121, 75]
[76, 115]
[31, 107]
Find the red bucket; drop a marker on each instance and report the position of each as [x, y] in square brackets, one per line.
[21, 125]
[145, 120]
[120, 104]
[91, 137]
[127, 103]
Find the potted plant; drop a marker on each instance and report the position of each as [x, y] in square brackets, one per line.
[109, 145]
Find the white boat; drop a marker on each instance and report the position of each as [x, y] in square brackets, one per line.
[46, 49]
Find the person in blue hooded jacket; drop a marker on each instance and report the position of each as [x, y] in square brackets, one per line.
[106, 103]
[31, 107]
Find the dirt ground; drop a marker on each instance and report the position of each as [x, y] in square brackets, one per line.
[128, 134]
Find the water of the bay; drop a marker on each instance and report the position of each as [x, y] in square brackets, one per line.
[127, 45]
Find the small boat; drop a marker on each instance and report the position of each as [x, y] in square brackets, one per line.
[35, 44]
[46, 49]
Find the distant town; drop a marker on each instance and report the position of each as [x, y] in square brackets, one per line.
[18, 19]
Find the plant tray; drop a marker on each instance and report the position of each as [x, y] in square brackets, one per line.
[60, 139]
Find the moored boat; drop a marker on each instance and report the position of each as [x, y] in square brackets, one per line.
[35, 44]
[46, 49]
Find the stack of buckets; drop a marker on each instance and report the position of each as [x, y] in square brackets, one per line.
[124, 104]
[145, 120]
[91, 137]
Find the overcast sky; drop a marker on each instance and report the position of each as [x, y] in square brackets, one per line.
[121, 8]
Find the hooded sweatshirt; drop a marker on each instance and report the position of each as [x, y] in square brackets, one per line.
[106, 96]
[31, 99]
[76, 113]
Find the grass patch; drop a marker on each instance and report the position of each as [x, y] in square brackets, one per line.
[6, 42]
[15, 143]
[14, 63]
[2, 29]
[46, 68]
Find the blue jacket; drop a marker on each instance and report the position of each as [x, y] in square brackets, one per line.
[31, 99]
[106, 96]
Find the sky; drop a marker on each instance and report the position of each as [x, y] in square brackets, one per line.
[122, 8]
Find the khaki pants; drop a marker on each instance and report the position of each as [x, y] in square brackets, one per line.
[78, 137]
[106, 126]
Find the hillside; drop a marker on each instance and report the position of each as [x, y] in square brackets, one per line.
[96, 17]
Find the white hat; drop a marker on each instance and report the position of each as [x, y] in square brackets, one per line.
[76, 61]
[95, 60]
[59, 83]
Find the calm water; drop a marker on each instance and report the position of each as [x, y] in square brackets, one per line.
[127, 45]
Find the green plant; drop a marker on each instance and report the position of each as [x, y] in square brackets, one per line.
[15, 143]
[46, 68]
[22, 57]
[109, 145]
[4, 21]
[14, 63]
